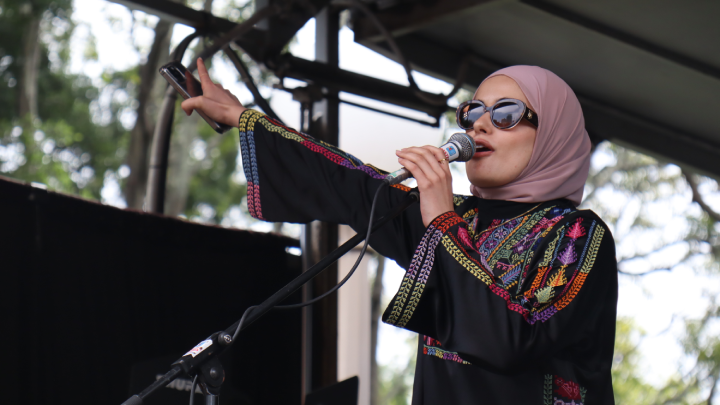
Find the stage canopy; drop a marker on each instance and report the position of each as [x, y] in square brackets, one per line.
[647, 72]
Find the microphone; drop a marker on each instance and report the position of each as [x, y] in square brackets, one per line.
[461, 146]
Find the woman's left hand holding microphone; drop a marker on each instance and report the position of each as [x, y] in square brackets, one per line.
[431, 170]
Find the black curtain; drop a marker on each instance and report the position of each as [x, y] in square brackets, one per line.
[97, 300]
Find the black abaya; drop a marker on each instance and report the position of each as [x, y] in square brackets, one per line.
[515, 303]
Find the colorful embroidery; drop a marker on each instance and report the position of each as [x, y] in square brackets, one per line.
[247, 145]
[409, 279]
[421, 279]
[247, 122]
[501, 258]
[558, 391]
[431, 347]
[419, 271]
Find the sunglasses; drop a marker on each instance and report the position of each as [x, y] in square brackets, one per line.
[505, 114]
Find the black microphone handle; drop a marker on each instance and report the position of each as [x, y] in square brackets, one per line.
[397, 176]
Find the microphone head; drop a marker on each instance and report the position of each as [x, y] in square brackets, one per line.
[466, 144]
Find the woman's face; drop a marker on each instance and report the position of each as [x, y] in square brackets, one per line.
[507, 151]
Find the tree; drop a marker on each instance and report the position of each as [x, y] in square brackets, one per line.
[658, 228]
[52, 138]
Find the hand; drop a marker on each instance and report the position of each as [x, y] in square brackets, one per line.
[433, 177]
[216, 102]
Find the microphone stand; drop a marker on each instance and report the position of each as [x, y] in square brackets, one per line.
[202, 359]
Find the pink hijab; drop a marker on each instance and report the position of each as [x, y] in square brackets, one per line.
[560, 159]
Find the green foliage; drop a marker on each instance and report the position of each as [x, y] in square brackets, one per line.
[628, 193]
[213, 184]
[628, 386]
[76, 137]
[396, 381]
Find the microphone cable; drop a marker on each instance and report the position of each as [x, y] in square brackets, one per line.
[340, 284]
[316, 299]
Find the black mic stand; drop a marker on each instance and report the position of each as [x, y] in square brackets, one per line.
[202, 359]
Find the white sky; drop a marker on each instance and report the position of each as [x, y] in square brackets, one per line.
[654, 300]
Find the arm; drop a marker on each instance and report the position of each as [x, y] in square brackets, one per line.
[522, 292]
[293, 177]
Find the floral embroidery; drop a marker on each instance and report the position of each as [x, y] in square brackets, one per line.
[247, 125]
[558, 391]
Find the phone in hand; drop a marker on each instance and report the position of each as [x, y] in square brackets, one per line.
[188, 86]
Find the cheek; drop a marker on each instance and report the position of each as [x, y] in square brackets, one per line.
[520, 147]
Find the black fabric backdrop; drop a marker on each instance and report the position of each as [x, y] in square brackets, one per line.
[91, 294]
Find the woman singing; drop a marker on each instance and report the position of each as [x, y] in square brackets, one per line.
[513, 290]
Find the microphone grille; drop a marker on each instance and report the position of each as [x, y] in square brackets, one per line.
[466, 145]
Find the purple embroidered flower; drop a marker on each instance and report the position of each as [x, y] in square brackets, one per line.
[523, 244]
[568, 255]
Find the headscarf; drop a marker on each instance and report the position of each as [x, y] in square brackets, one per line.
[560, 160]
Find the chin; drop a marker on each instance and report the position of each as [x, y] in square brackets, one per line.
[485, 184]
[488, 182]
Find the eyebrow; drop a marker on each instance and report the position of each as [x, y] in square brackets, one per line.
[496, 101]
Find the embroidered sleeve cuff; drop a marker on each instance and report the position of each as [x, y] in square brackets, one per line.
[247, 119]
[405, 302]
[445, 221]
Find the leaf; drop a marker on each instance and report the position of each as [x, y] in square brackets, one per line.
[568, 255]
[545, 294]
[576, 231]
[558, 279]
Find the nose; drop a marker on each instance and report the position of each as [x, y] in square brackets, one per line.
[483, 125]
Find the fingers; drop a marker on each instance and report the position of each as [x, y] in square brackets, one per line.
[191, 104]
[425, 162]
[204, 76]
[434, 180]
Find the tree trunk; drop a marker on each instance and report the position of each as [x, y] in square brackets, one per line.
[181, 168]
[27, 93]
[150, 95]
[375, 313]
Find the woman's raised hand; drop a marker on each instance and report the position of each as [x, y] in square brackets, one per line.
[216, 102]
[432, 173]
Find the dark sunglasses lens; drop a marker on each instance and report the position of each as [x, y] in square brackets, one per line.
[469, 115]
[505, 115]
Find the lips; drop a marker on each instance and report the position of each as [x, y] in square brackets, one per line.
[482, 148]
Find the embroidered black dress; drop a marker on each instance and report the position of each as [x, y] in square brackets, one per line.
[522, 296]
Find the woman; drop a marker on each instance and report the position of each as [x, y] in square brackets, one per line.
[513, 290]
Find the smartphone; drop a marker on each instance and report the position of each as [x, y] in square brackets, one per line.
[188, 86]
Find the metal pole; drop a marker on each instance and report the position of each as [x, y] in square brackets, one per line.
[320, 321]
[155, 194]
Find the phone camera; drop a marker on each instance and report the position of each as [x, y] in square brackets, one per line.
[177, 74]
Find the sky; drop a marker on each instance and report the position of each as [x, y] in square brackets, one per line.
[657, 302]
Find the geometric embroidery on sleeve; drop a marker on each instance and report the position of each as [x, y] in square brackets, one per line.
[246, 124]
[247, 146]
[413, 285]
[415, 278]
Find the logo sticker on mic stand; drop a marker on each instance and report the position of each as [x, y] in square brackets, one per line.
[199, 348]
